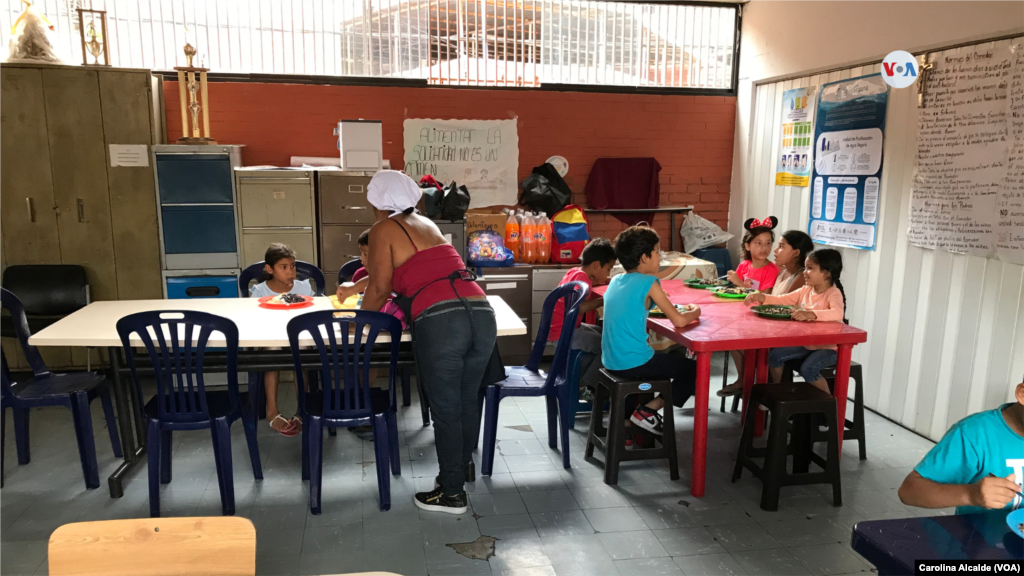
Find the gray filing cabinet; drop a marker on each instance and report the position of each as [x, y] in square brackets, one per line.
[276, 206]
[344, 214]
[515, 286]
[455, 232]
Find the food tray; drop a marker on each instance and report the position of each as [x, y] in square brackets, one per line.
[704, 283]
[265, 302]
[772, 311]
[657, 313]
[718, 292]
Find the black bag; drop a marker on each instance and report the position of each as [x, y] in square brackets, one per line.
[455, 202]
[545, 191]
[432, 199]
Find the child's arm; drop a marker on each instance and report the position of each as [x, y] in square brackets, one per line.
[657, 294]
[991, 492]
[834, 312]
[357, 288]
[734, 277]
[761, 298]
[592, 304]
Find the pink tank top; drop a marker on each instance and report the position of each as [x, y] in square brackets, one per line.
[421, 271]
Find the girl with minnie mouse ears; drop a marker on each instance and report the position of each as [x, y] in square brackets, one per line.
[754, 272]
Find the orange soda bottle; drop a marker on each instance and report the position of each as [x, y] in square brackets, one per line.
[529, 239]
[512, 235]
[544, 240]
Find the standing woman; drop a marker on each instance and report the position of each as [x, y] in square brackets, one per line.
[453, 325]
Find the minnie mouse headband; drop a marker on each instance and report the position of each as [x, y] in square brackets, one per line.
[770, 222]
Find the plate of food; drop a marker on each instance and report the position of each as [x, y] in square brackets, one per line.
[350, 303]
[773, 311]
[705, 283]
[286, 302]
[733, 292]
[658, 313]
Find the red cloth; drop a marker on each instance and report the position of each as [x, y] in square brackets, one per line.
[424, 267]
[573, 275]
[624, 183]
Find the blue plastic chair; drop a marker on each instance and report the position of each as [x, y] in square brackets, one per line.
[530, 380]
[350, 268]
[346, 401]
[74, 391]
[717, 256]
[303, 271]
[176, 342]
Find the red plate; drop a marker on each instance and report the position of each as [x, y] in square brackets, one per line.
[265, 303]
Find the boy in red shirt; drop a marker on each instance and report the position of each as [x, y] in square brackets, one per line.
[596, 263]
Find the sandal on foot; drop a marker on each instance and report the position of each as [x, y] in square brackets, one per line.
[296, 422]
[729, 390]
[289, 429]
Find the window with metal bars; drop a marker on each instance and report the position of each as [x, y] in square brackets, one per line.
[450, 42]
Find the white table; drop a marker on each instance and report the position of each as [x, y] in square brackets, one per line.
[96, 326]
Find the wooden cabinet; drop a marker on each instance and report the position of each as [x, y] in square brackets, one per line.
[61, 202]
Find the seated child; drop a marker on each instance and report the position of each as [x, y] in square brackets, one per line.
[790, 255]
[978, 464]
[279, 278]
[596, 263]
[822, 299]
[624, 347]
[360, 278]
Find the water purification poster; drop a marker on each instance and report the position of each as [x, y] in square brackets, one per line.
[849, 129]
[793, 165]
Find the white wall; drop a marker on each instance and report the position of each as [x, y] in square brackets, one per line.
[946, 332]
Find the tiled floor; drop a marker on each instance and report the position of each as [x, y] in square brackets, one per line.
[547, 520]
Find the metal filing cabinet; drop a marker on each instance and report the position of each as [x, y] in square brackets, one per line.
[455, 232]
[276, 206]
[196, 196]
[344, 213]
[515, 286]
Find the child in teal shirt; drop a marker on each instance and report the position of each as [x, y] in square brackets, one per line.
[978, 464]
[624, 348]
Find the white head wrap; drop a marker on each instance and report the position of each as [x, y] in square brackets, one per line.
[393, 190]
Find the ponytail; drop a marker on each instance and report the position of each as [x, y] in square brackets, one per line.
[831, 261]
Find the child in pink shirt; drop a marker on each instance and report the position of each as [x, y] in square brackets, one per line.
[820, 300]
[754, 272]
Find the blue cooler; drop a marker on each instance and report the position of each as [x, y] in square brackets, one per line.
[181, 287]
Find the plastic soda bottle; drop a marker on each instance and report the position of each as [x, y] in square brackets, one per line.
[512, 235]
[544, 240]
[529, 240]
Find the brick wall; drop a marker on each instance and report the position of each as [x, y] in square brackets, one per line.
[691, 136]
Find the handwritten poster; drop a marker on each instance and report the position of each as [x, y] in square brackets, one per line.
[1010, 218]
[963, 152]
[849, 130]
[795, 158]
[483, 155]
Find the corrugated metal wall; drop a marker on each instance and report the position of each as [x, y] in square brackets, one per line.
[945, 331]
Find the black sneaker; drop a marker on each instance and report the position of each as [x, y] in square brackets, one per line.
[647, 419]
[436, 501]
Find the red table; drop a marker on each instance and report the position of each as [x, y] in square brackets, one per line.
[728, 325]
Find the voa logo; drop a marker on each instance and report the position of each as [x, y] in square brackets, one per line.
[899, 69]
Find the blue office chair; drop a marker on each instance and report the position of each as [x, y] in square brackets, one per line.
[303, 271]
[350, 268]
[176, 342]
[74, 391]
[530, 380]
[347, 399]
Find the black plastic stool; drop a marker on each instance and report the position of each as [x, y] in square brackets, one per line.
[852, 429]
[612, 441]
[800, 401]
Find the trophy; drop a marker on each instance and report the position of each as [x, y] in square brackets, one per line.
[192, 94]
[93, 41]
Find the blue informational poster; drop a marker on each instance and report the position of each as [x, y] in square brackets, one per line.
[849, 130]
[793, 165]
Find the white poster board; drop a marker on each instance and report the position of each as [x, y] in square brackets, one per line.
[966, 192]
[483, 155]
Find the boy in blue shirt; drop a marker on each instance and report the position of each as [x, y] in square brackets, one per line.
[978, 464]
[624, 348]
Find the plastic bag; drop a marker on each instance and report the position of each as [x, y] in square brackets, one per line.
[455, 202]
[545, 191]
[698, 232]
[432, 200]
[32, 38]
